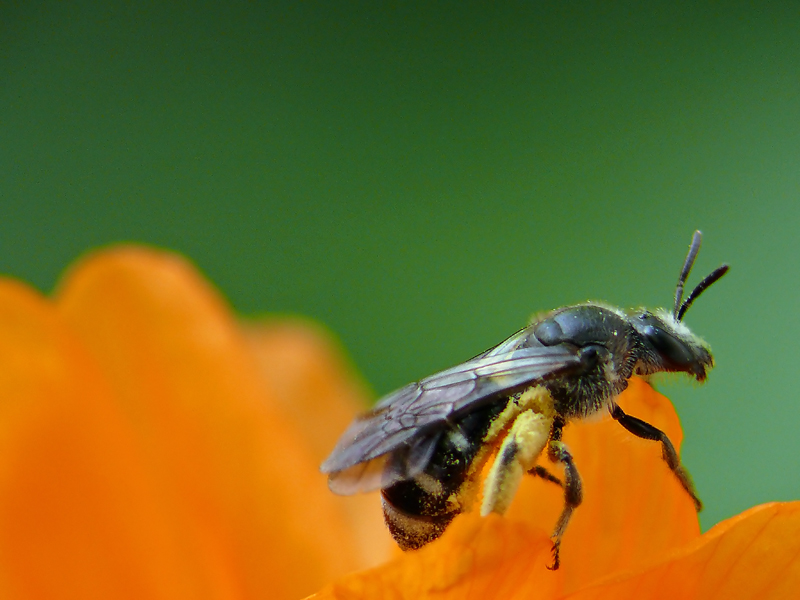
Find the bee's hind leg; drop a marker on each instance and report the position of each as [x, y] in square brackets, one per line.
[517, 455]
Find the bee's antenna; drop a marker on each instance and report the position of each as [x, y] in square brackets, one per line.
[701, 287]
[694, 248]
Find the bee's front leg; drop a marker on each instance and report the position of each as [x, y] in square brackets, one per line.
[646, 431]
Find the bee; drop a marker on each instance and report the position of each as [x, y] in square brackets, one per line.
[425, 444]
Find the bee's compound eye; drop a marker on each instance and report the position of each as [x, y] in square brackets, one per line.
[672, 350]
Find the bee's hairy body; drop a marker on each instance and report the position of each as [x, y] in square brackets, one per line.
[425, 444]
[418, 510]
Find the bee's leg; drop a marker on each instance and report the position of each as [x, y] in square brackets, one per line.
[573, 493]
[646, 431]
[518, 453]
[540, 471]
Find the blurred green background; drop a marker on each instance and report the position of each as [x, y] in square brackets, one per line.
[423, 177]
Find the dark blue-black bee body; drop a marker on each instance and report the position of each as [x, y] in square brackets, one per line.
[424, 444]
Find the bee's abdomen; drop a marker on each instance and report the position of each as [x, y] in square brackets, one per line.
[412, 531]
[417, 511]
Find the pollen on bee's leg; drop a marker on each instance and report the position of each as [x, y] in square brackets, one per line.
[517, 455]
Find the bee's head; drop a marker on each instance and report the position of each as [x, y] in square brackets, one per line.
[668, 344]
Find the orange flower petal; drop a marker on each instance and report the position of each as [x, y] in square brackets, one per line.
[753, 556]
[476, 558]
[233, 474]
[320, 395]
[313, 386]
[79, 515]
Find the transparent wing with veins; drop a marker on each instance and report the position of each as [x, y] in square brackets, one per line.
[395, 440]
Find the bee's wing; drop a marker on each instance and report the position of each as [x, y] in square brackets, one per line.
[395, 440]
